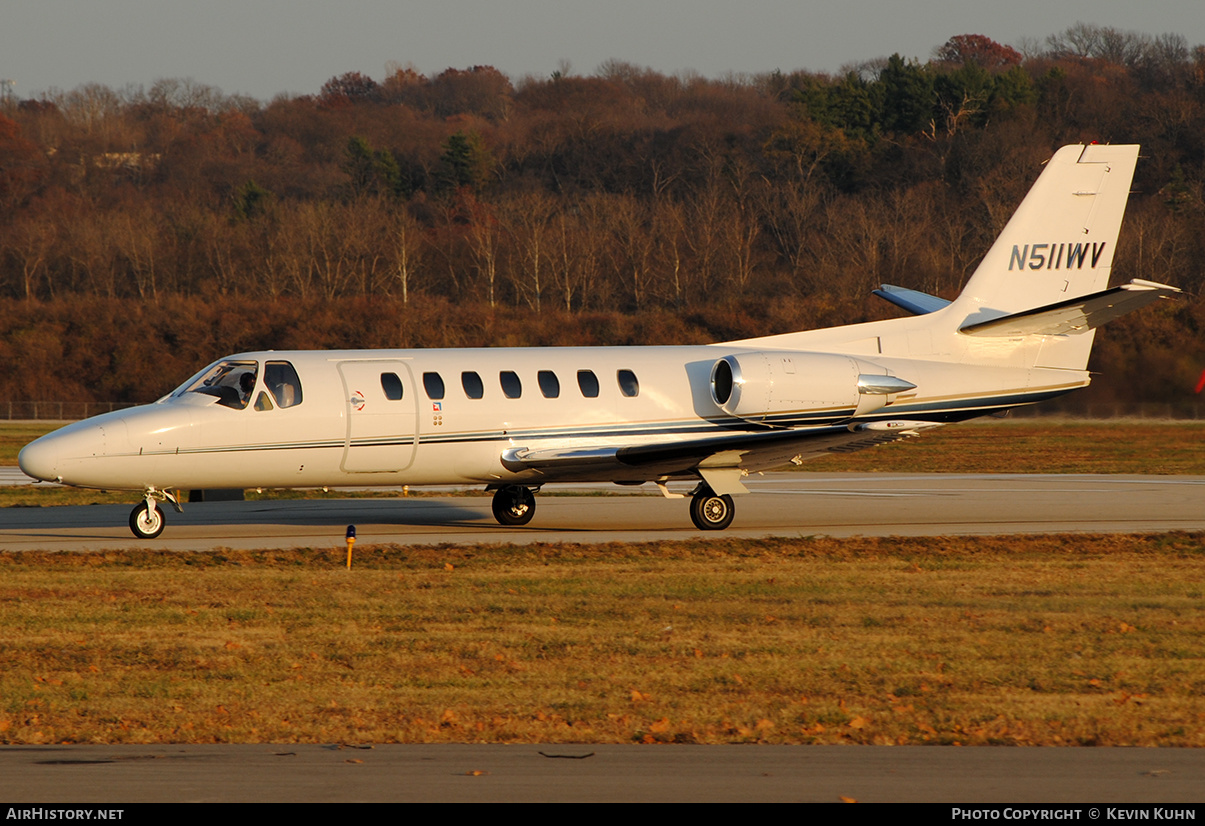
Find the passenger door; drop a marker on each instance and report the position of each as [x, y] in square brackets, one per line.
[382, 430]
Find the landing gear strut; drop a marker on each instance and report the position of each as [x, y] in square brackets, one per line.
[514, 505]
[711, 511]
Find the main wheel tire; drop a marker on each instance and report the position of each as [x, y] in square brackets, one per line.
[711, 511]
[514, 505]
[147, 522]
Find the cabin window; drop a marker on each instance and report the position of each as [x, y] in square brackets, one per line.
[588, 382]
[550, 386]
[283, 383]
[392, 385]
[433, 383]
[628, 385]
[512, 388]
[471, 382]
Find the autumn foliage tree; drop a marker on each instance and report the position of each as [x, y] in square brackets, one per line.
[555, 209]
[982, 51]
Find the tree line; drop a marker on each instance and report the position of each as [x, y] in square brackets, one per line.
[626, 192]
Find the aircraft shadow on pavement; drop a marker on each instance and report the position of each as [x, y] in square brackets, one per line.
[427, 512]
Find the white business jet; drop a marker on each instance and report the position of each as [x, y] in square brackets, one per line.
[515, 419]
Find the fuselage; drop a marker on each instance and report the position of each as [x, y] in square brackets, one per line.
[417, 417]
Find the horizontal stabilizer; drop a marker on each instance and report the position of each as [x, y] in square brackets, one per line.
[913, 301]
[1076, 315]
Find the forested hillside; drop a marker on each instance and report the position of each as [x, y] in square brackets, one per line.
[145, 231]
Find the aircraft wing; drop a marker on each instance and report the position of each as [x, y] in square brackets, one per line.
[710, 457]
[1076, 315]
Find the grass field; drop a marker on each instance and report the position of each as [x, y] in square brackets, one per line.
[1058, 640]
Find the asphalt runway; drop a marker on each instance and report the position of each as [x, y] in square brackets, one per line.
[782, 504]
[1066, 777]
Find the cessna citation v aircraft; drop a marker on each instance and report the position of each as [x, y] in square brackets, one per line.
[517, 419]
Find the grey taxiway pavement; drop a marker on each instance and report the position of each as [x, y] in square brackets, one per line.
[782, 504]
[551, 773]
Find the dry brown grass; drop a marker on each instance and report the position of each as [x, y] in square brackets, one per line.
[1038, 446]
[1016, 640]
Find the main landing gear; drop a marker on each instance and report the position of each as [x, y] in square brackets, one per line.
[711, 511]
[514, 505]
[147, 520]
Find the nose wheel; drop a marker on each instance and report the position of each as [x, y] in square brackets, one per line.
[146, 520]
[514, 505]
[711, 511]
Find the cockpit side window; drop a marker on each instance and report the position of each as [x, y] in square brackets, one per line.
[233, 382]
[283, 383]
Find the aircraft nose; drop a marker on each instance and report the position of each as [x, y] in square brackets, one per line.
[39, 459]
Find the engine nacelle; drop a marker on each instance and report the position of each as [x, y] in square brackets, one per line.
[789, 389]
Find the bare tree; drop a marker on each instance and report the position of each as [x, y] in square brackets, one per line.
[1079, 40]
[483, 234]
[408, 248]
[669, 226]
[633, 245]
[580, 238]
[136, 239]
[790, 211]
[30, 242]
[707, 213]
[529, 219]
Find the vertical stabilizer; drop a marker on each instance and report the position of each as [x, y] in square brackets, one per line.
[1057, 248]
[1059, 244]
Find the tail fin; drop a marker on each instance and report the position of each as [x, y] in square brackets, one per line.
[1057, 247]
[1059, 244]
[1039, 293]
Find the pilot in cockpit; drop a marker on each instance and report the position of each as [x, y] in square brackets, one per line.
[234, 383]
[246, 384]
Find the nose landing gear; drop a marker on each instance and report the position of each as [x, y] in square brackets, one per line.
[146, 520]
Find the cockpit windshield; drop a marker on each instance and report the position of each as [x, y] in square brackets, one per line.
[232, 382]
